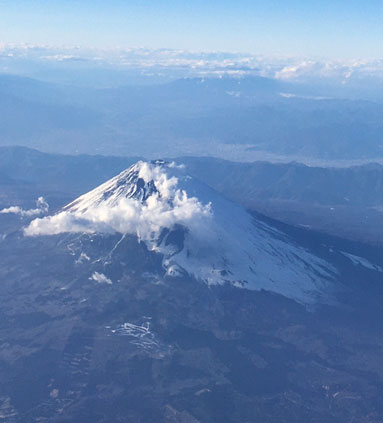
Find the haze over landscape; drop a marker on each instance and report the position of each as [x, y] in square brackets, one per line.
[191, 199]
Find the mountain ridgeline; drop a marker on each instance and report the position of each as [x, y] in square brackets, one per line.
[247, 117]
[342, 201]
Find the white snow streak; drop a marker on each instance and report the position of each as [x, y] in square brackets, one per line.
[356, 260]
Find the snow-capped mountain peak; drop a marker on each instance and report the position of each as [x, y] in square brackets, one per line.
[198, 232]
[136, 183]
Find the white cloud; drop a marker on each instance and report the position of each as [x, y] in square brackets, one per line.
[336, 69]
[42, 207]
[192, 63]
[83, 258]
[165, 208]
[100, 278]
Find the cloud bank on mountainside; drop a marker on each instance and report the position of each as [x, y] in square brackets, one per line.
[166, 207]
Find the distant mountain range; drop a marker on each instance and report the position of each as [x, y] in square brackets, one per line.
[342, 201]
[249, 117]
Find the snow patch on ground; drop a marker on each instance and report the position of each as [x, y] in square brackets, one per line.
[141, 336]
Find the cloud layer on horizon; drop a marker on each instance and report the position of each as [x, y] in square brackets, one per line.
[189, 63]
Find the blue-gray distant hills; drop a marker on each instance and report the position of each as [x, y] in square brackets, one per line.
[246, 116]
[342, 201]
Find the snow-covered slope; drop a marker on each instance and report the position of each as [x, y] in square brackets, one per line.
[198, 232]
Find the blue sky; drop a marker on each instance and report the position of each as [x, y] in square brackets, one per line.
[322, 28]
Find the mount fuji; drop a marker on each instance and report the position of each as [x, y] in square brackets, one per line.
[154, 299]
[197, 233]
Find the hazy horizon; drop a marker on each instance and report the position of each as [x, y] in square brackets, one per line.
[331, 29]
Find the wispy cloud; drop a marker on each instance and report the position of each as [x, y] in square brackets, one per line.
[100, 278]
[42, 207]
